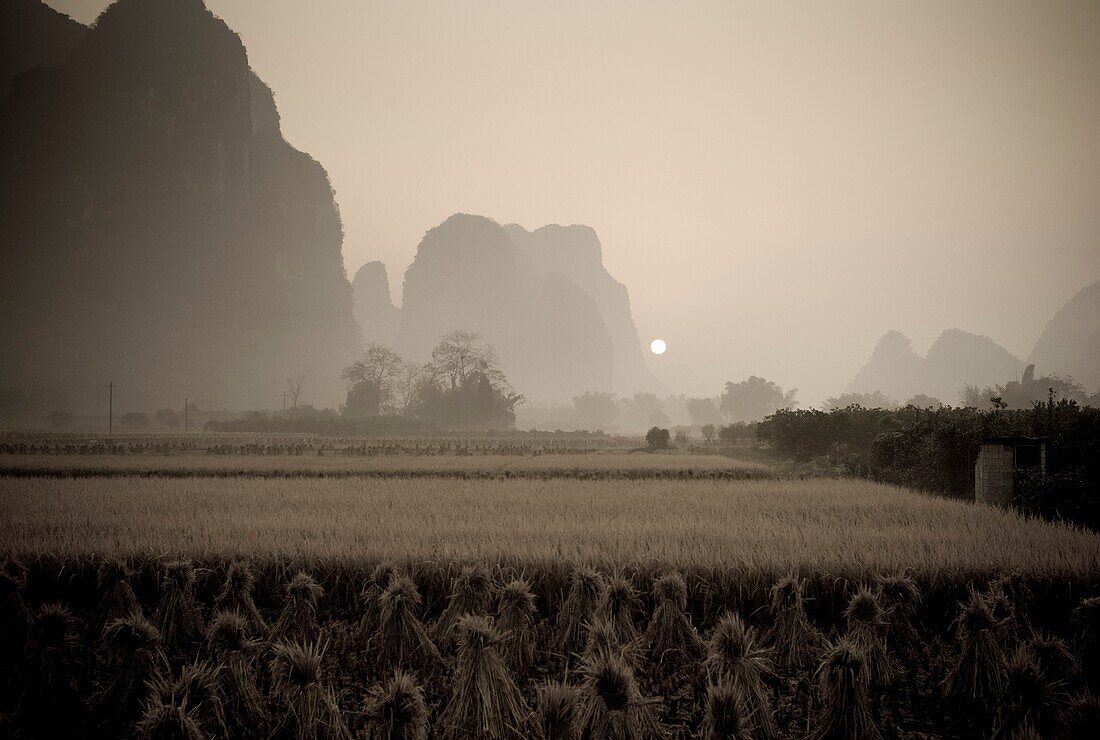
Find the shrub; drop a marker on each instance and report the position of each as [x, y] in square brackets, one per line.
[657, 439]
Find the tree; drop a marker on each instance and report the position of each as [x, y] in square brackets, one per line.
[755, 398]
[657, 439]
[372, 381]
[168, 418]
[703, 411]
[595, 410]
[641, 411]
[134, 420]
[413, 376]
[458, 354]
[876, 400]
[708, 431]
[294, 388]
[464, 388]
[921, 401]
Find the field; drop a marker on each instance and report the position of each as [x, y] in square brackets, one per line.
[610, 594]
[601, 465]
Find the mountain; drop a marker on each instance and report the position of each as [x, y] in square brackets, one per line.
[575, 253]
[32, 35]
[1070, 343]
[379, 320]
[955, 359]
[549, 332]
[158, 231]
[958, 358]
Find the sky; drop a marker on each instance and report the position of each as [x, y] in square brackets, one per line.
[777, 183]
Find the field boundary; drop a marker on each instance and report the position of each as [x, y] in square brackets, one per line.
[498, 474]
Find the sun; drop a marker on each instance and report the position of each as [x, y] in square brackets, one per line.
[658, 346]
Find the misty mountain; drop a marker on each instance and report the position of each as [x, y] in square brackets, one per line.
[32, 34]
[560, 323]
[574, 252]
[957, 358]
[379, 320]
[158, 231]
[1070, 343]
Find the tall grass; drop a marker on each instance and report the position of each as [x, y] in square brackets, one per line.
[850, 529]
[236, 594]
[612, 704]
[670, 637]
[134, 657]
[229, 642]
[471, 593]
[515, 619]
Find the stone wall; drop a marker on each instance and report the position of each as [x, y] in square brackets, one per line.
[993, 474]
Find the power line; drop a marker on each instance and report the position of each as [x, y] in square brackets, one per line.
[110, 408]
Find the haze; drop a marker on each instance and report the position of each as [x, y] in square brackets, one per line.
[777, 184]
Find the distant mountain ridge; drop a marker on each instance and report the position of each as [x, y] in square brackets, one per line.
[158, 231]
[1070, 342]
[560, 323]
[957, 358]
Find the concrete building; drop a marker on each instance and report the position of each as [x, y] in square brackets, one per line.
[998, 461]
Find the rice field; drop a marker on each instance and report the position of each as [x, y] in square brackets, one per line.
[830, 525]
[601, 465]
[391, 605]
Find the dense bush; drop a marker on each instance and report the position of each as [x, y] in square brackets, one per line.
[935, 448]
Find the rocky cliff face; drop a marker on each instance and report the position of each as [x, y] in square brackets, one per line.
[955, 359]
[160, 232]
[379, 320]
[558, 321]
[1070, 343]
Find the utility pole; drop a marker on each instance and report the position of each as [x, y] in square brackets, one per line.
[185, 416]
[284, 402]
[110, 408]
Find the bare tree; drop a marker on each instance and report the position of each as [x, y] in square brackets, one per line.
[294, 388]
[458, 355]
[381, 368]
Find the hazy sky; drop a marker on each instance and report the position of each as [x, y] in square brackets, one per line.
[777, 183]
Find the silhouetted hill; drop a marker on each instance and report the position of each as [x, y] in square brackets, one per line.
[379, 320]
[1070, 343]
[955, 359]
[158, 230]
[548, 330]
[32, 34]
[575, 253]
